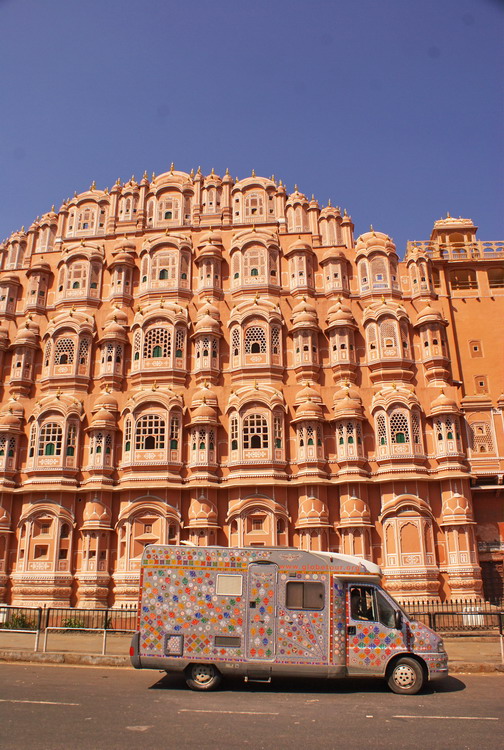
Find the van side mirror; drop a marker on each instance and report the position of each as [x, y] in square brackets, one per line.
[397, 620]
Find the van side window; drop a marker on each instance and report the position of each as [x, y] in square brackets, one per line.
[386, 611]
[304, 595]
[362, 603]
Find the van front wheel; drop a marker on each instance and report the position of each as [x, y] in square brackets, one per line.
[202, 677]
[407, 677]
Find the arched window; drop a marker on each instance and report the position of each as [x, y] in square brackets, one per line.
[255, 340]
[233, 430]
[174, 432]
[64, 352]
[399, 427]
[50, 439]
[150, 432]
[388, 338]
[255, 263]
[379, 273]
[157, 343]
[235, 341]
[255, 431]
[381, 429]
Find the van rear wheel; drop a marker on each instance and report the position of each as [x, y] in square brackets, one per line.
[407, 677]
[202, 677]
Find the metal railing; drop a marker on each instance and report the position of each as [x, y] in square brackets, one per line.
[457, 615]
[21, 620]
[104, 621]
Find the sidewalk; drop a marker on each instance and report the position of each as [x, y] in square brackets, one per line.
[475, 653]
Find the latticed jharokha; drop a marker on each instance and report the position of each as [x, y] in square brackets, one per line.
[199, 359]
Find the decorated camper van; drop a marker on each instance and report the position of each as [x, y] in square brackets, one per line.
[261, 612]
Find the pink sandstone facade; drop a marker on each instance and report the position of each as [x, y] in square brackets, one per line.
[203, 359]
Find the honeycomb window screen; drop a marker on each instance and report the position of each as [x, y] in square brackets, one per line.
[215, 348]
[64, 352]
[180, 342]
[255, 340]
[275, 340]
[107, 353]
[379, 273]
[255, 431]
[381, 428]
[415, 428]
[481, 437]
[83, 351]
[150, 432]
[364, 276]
[127, 434]
[388, 334]
[157, 343]
[235, 341]
[229, 585]
[399, 428]
[371, 336]
[50, 439]
[254, 206]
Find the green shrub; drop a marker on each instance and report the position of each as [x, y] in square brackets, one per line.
[73, 622]
[19, 622]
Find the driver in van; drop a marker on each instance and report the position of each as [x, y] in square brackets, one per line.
[359, 606]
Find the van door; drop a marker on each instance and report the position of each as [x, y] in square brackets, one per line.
[261, 622]
[372, 636]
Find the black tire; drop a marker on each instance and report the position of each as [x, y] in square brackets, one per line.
[406, 677]
[202, 677]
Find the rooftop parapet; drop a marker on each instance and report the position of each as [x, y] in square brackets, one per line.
[456, 251]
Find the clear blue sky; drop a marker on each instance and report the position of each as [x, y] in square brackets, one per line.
[391, 108]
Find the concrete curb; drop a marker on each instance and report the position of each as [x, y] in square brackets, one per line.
[97, 660]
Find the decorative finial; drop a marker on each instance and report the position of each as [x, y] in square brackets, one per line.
[295, 188]
[345, 212]
[253, 173]
[58, 393]
[191, 174]
[256, 387]
[383, 298]
[153, 176]
[227, 171]
[93, 185]
[145, 175]
[329, 204]
[52, 208]
[118, 181]
[199, 170]
[448, 215]
[155, 386]
[172, 167]
[212, 173]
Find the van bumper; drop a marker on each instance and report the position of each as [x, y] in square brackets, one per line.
[437, 664]
[134, 651]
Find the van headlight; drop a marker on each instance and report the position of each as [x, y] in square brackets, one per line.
[440, 647]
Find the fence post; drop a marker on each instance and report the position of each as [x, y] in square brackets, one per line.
[104, 644]
[501, 634]
[44, 649]
[37, 634]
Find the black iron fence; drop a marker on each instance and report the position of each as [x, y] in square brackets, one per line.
[71, 618]
[457, 615]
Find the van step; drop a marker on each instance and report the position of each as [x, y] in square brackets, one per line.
[251, 678]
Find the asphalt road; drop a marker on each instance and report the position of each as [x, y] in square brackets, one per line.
[77, 708]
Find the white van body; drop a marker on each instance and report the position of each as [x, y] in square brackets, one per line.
[260, 612]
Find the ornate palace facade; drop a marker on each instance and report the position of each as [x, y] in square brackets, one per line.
[217, 361]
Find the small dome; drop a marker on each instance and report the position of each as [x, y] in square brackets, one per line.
[96, 515]
[427, 315]
[304, 306]
[10, 421]
[103, 418]
[330, 212]
[204, 413]
[340, 315]
[299, 246]
[202, 512]
[312, 512]
[208, 308]
[308, 393]
[309, 410]
[443, 405]
[204, 395]
[347, 403]
[296, 197]
[124, 245]
[370, 241]
[456, 509]
[27, 335]
[105, 401]
[354, 512]
[40, 266]
[206, 323]
[117, 316]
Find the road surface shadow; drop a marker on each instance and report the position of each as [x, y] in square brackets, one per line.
[312, 685]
